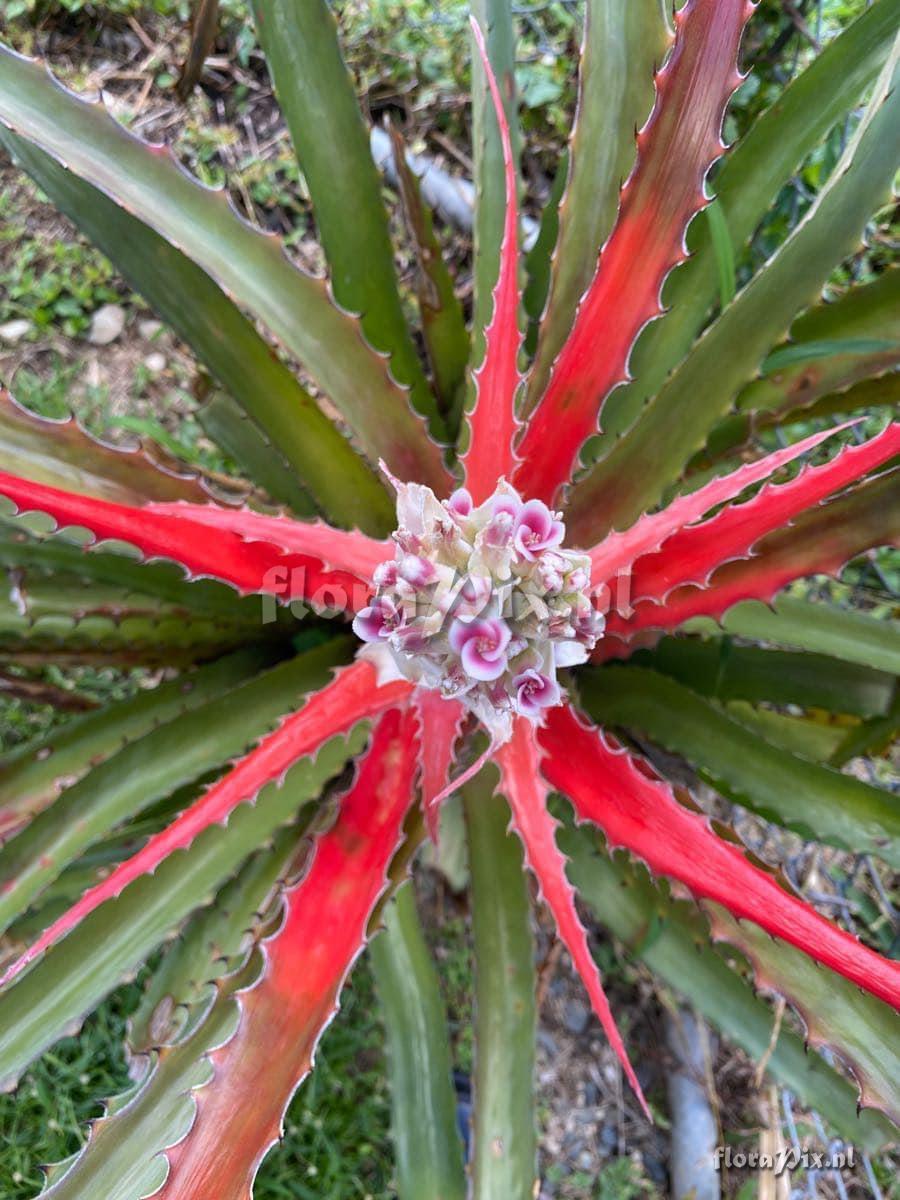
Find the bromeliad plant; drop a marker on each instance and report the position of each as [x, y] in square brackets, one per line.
[571, 582]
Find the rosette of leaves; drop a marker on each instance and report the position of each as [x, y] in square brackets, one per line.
[267, 802]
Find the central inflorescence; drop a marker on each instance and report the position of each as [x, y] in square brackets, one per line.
[481, 603]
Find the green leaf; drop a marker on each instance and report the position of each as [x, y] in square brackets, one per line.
[25, 547]
[504, 1149]
[872, 737]
[33, 773]
[178, 990]
[443, 321]
[831, 348]
[630, 904]
[63, 618]
[150, 768]
[224, 340]
[77, 973]
[495, 19]
[624, 42]
[62, 454]
[124, 1159]
[806, 352]
[677, 422]
[318, 100]
[538, 260]
[813, 800]
[179, 1020]
[865, 1031]
[741, 428]
[805, 736]
[843, 633]
[746, 184]
[239, 435]
[426, 1140]
[247, 264]
[724, 252]
[716, 667]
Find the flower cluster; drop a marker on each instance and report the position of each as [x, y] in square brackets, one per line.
[481, 603]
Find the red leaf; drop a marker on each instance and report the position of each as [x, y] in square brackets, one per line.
[618, 551]
[523, 786]
[248, 566]
[692, 555]
[676, 148]
[352, 696]
[610, 789]
[239, 1113]
[819, 542]
[337, 549]
[441, 722]
[492, 423]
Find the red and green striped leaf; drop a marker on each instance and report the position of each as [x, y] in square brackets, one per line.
[819, 542]
[618, 551]
[249, 566]
[284, 1013]
[638, 811]
[676, 423]
[747, 184]
[672, 939]
[492, 422]
[442, 722]
[63, 454]
[337, 549]
[352, 696]
[676, 148]
[625, 41]
[521, 783]
[693, 554]
[746, 765]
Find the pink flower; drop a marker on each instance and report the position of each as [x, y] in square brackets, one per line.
[504, 503]
[499, 530]
[460, 503]
[378, 621]
[537, 530]
[416, 570]
[385, 574]
[481, 646]
[535, 692]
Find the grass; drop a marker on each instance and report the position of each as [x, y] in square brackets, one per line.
[621, 1179]
[344, 1104]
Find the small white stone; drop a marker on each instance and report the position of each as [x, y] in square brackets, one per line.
[14, 331]
[107, 324]
[149, 328]
[155, 363]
